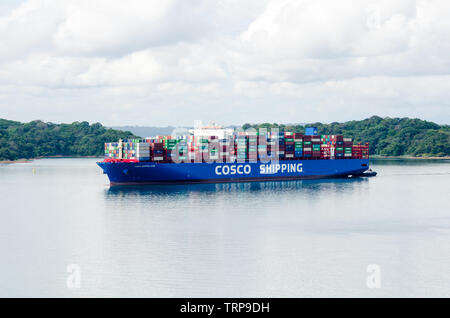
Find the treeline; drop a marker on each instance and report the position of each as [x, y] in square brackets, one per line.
[387, 136]
[39, 139]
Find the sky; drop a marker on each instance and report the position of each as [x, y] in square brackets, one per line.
[158, 63]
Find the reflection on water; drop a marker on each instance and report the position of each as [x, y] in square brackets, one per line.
[256, 239]
[407, 162]
[262, 187]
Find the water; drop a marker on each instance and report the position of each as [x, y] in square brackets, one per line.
[272, 239]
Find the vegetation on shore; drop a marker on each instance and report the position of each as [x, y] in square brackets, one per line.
[387, 136]
[39, 139]
[391, 137]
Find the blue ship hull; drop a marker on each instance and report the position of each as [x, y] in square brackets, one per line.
[123, 173]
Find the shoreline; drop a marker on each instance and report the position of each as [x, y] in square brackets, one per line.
[50, 157]
[16, 161]
[91, 157]
[409, 157]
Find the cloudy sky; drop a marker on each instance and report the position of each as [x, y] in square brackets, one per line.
[166, 62]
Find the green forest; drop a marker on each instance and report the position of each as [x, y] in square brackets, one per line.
[39, 139]
[387, 136]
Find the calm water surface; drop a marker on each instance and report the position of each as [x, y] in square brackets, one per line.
[273, 239]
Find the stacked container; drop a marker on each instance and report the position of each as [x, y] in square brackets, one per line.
[289, 145]
[192, 149]
[182, 150]
[170, 147]
[203, 148]
[298, 145]
[279, 141]
[158, 151]
[253, 148]
[360, 151]
[307, 146]
[129, 149]
[143, 151]
[325, 146]
[315, 141]
[339, 149]
[263, 147]
[272, 146]
[213, 148]
[241, 147]
[348, 145]
[226, 150]
[112, 150]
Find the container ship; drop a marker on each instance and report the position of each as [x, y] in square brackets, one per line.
[213, 154]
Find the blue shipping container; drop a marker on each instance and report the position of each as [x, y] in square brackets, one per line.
[311, 131]
[289, 147]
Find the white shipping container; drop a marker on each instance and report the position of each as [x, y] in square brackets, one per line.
[289, 156]
[307, 149]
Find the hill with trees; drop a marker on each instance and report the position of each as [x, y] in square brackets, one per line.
[387, 136]
[39, 139]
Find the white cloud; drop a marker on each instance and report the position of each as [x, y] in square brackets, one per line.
[170, 62]
[327, 29]
[97, 27]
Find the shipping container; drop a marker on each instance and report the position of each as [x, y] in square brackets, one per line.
[311, 131]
